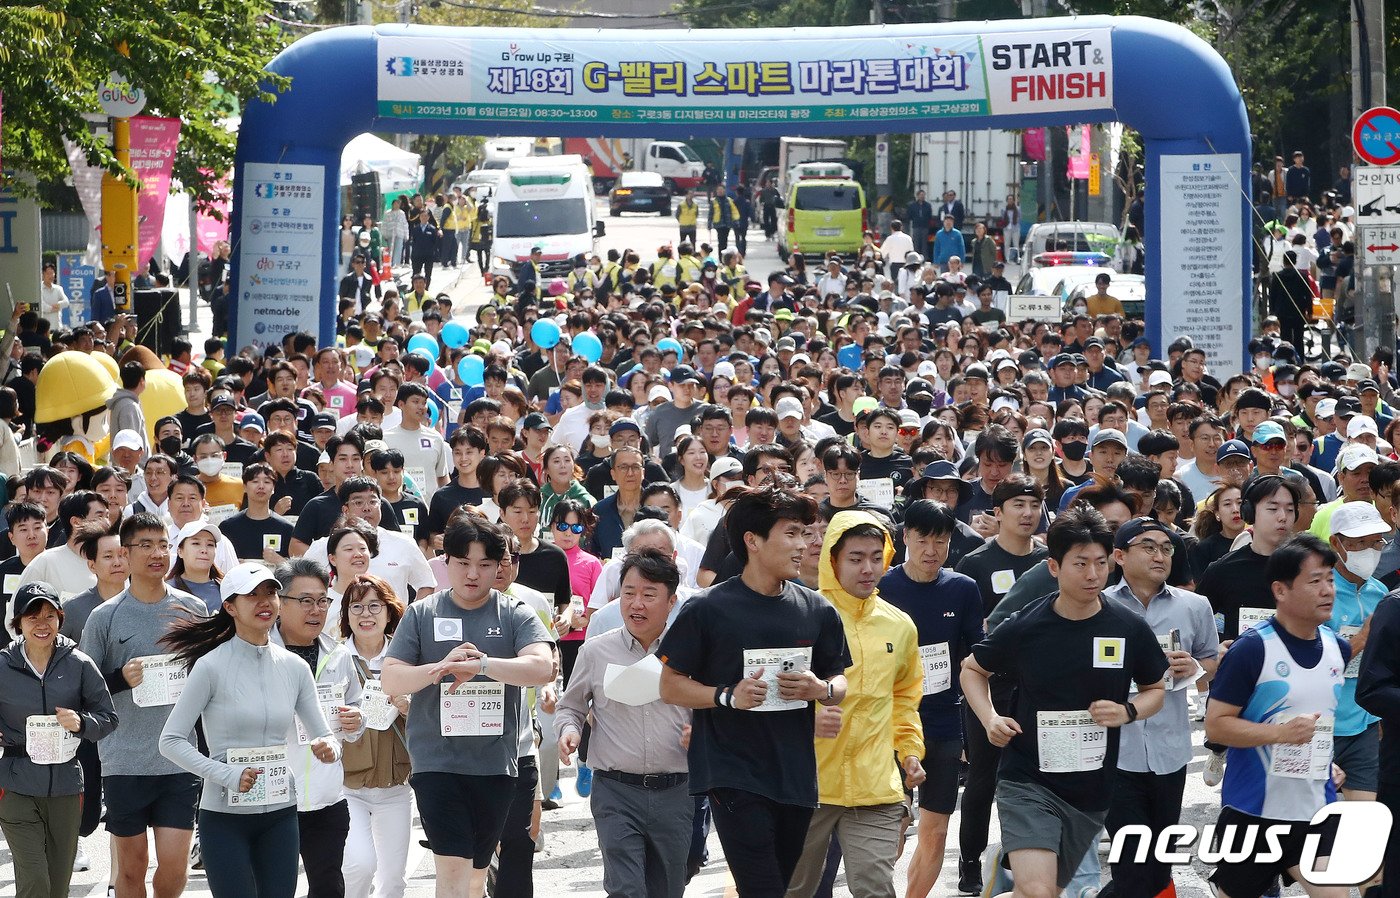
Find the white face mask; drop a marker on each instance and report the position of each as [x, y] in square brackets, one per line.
[1261, 362]
[1363, 562]
[594, 267]
[1081, 309]
[1287, 390]
[600, 440]
[210, 467]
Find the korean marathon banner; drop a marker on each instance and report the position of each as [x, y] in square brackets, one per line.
[556, 76]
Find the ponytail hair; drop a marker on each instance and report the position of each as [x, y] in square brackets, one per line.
[193, 639]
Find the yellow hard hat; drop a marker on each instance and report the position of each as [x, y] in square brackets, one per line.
[71, 384]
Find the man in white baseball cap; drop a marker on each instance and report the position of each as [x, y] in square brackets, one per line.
[1355, 463]
[1358, 537]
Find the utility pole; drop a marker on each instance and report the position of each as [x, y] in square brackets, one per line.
[1375, 300]
[884, 201]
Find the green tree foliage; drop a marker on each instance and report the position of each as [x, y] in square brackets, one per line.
[196, 60]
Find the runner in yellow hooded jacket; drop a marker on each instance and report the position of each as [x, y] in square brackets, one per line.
[860, 785]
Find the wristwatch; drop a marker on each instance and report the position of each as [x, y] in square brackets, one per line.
[1132, 711]
[830, 691]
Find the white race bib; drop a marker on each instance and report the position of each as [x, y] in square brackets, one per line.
[11, 583]
[447, 629]
[1002, 581]
[217, 514]
[472, 709]
[1309, 761]
[1069, 741]
[331, 697]
[877, 491]
[273, 785]
[375, 705]
[1253, 617]
[1353, 669]
[162, 681]
[938, 668]
[232, 469]
[774, 662]
[46, 741]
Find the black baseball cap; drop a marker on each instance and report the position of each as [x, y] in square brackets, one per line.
[1135, 528]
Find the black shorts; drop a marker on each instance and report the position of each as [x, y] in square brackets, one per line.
[939, 793]
[463, 816]
[1253, 877]
[138, 803]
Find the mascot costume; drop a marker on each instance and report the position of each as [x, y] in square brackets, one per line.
[70, 403]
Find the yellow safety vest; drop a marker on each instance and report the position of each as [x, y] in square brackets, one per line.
[688, 214]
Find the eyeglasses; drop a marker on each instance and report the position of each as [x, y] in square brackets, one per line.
[359, 608]
[629, 469]
[842, 476]
[1166, 550]
[309, 602]
[564, 528]
[909, 431]
[147, 545]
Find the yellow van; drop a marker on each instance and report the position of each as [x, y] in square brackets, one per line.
[824, 215]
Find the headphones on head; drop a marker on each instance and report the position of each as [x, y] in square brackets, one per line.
[1261, 488]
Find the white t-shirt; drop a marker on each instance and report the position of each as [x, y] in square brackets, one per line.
[61, 568]
[425, 452]
[400, 563]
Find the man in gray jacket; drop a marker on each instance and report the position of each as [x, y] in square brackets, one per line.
[124, 407]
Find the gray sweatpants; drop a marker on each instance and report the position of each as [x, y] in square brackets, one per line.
[644, 835]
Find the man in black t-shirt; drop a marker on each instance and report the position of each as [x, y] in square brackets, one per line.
[257, 530]
[756, 643]
[1074, 659]
[1016, 507]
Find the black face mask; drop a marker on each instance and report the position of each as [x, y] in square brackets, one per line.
[170, 446]
[921, 406]
[1074, 451]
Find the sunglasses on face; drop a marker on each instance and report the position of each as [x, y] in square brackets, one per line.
[564, 528]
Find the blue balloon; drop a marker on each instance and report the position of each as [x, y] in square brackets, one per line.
[669, 344]
[426, 353]
[545, 333]
[588, 346]
[849, 356]
[432, 417]
[454, 335]
[424, 341]
[472, 370]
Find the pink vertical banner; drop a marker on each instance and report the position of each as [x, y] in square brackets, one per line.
[1034, 139]
[1079, 153]
[211, 228]
[153, 143]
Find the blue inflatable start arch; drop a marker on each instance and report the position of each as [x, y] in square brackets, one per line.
[1158, 78]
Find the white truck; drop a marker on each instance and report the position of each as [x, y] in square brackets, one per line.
[793, 151]
[984, 167]
[498, 153]
[544, 201]
[679, 166]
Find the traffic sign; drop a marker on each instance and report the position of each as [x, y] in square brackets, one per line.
[1375, 193]
[1381, 245]
[1376, 136]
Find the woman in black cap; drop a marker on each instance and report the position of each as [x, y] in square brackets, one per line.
[51, 697]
